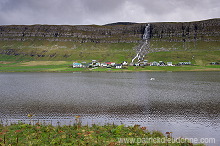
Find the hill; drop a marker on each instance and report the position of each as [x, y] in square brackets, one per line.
[170, 41]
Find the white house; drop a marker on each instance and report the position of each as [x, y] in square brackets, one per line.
[104, 65]
[170, 64]
[124, 63]
[118, 66]
[97, 64]
[77, 65]
[154, 63]
[112, 63]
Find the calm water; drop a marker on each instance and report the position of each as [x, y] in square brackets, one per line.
[186, 103]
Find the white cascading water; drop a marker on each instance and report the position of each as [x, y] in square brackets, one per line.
[142, 49]
[146, 35]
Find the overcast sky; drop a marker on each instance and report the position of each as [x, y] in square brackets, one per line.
[83, 12]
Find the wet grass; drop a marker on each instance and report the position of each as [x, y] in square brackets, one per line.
[40, 134]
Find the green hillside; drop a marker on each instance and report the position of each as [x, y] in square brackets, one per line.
[204, 52]
[198, 42]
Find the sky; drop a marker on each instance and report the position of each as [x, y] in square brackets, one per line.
[100, 12]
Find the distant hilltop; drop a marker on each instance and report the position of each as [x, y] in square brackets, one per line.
[121, 23]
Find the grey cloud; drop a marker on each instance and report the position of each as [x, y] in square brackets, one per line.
[74, 12]
[40, 11]
[102, 6]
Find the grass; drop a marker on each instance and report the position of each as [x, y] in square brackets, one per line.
[195, 57]
[65, 66]
[42, 50]
[40, 134]
[67, 51]
[54, 56]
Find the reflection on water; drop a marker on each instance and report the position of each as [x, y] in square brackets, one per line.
[186, 103]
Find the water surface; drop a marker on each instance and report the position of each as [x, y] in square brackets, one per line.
[186, 103]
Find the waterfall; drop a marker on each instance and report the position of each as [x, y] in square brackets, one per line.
[146, 35]
[144, 46]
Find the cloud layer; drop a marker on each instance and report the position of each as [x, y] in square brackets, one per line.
[78, 12]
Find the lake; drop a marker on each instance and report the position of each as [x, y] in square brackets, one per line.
[185, 103]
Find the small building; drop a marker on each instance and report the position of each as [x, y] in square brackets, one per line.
[145, 62]
[110, 63]
[77, 65]
[161, 63]
[84, 64]
[94, 62]
[113, 63]
[142, 64]
[104, 65]
[97, 64]
[214, 63]
[170, 64]
[184, 63]
[124, 63]
[118, 66]
[90, 65]
[154, 63]
[137, 64]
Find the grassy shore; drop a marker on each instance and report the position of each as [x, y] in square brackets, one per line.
[112, 135]
[65, 66]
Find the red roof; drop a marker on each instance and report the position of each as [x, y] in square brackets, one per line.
[108, 62]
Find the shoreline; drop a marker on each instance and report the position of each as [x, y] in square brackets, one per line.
[66, 67]
[123, 71]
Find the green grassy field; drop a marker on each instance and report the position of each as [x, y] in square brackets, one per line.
[95, 135]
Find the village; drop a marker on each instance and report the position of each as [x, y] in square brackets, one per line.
[122, 65]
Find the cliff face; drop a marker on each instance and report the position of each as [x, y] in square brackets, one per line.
[208, 30]
[115, 33]
[96, 34]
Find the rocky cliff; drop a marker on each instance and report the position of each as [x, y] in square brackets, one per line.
[93, 33]
[114, 33]
[208, 30]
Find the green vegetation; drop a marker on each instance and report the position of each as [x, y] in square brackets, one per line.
[66, 66]
[199, 58]
[14, 54]
[38, 134]
[66, 51]
[196, 57]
